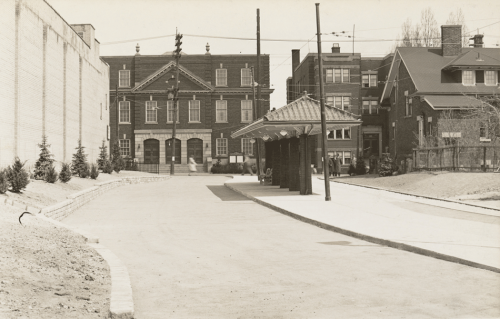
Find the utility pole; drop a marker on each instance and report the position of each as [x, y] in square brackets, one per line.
[257, 105]
[177, 54]
[255, 114]
[323, 115]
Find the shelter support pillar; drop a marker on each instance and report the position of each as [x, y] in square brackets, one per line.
[276, 162]
[285, 158]
[269, 155]
[305, 166]
[293, 166]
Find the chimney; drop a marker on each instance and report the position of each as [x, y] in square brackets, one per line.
[478, 41]
[335, 48]
[451, 40]
[295, 59]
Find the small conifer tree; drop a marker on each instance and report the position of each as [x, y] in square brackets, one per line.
[51, 174]
[94, 171]
[108, 167]
[79, 164]
[4, 181]
[44, 161]
[103, 156]
[65, 175]
[116, 158]
[17, 176]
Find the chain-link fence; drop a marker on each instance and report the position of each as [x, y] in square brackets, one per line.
[458, 158]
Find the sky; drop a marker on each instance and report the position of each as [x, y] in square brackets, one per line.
[376, 24]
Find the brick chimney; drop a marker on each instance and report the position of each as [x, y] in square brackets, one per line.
[451, 40]
[478, 41]
[295, 59]
[336, 48]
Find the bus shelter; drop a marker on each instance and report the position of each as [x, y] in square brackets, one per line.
[287, 135]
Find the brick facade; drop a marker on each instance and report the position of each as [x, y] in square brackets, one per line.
[54, 84]
[197, 80]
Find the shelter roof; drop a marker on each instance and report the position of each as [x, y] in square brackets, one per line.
[302, 116]
[438, 102]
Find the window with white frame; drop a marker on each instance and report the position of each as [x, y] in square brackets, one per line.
[370, 107]
[329, 76]
[341, 134]
[338, 76]
[468, 77]
[368, 80]
[151, 112]
[194, 111]
[246, 146]
[330, 101]
[408, 105]
[490, 77]
[221, 77]
[125, 147]
[342, 102]
[221, 146]
[170, 111]
[124, 110]
[124, 78]
[221, 111]
[344, 156]
[246, 77]
[246, 111]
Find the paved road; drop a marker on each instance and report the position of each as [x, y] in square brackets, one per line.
[194, 249]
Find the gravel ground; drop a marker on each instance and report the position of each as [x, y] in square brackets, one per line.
[460, 185]
[47, 271]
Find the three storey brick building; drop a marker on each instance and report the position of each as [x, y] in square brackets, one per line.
[215, 98]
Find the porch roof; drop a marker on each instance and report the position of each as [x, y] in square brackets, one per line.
[302, 116]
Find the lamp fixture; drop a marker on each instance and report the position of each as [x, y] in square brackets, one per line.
[266, 137]
[283, 133]
[252, 140]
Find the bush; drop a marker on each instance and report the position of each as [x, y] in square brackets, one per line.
[17, 176]
[85, 172]
[360, 166]
[65, 175]
[44, 161]
[108, 167]
[103, 156]
[79, 164]
[232, 168]
[116, 158]
[51, 174]
[4, 181]
[94, 171]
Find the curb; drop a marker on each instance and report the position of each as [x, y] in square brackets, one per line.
[375, 240]
[415, 195]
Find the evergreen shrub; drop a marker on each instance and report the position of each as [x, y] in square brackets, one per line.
[18, 177]
[65, 175]
[94, 171]
[4, 181]
[44, 161]
[51, 174]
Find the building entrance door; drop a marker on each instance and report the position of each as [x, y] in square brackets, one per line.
[168, 150]
[151, 151]
[371, 145]
[195, 149]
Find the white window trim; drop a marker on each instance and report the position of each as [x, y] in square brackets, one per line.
[120, 78]
[343, 135]
[250, 77]
[473, 78]
[495, 78]
[155, 109]
[120, 112]
[170, 104]
[342, 104]
[217, 77]
[243, 148]
[370, 106]
[251, 111]
[370, 76]
[216, 111]
[217, 147]
[199, 111]
[342, 80]
[123, 148]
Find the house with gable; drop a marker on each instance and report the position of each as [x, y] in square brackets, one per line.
[215, 98]
[425, 81]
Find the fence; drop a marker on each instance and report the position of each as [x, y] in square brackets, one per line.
[458, 158]
[130, 165]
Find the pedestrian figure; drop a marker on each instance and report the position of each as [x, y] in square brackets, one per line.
[247, 166]
[192, 165]
[330, 166]
[337, 165]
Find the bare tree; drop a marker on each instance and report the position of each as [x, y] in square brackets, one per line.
[458, 18]
[423, 34]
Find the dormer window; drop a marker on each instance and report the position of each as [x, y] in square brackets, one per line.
[468, 77]
[490, 77]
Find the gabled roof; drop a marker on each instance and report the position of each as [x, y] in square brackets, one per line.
[474, 58]
[302, 116]
[165, 69]
[425, 67]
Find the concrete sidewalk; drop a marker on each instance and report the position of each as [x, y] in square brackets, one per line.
[445, 230]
